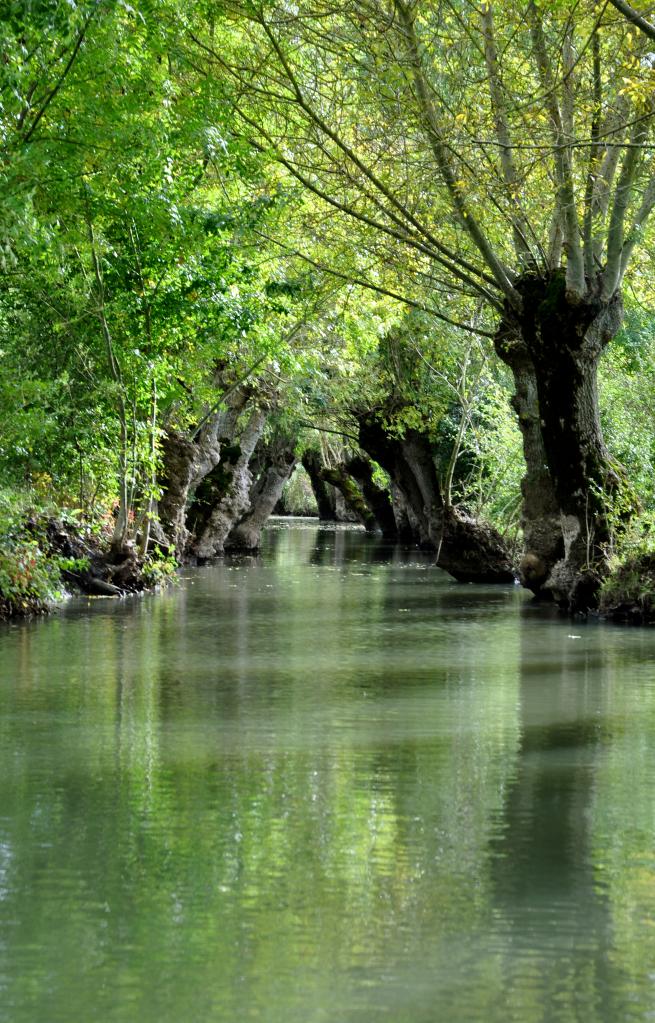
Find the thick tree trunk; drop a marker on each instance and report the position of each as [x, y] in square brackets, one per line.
[264, 495]
[178, 456]
[223, 495]
[377, 498]
[467, 550]
[407, 528]
[389, 452]
[564, 341]
[185, 463]
[543, 544]
[339, 478]
[323, 492]
[344, 513]
[471, 551]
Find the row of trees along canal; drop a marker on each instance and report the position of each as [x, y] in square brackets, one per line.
[395, 242]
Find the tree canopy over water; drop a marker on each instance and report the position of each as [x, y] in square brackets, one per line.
[401, 249]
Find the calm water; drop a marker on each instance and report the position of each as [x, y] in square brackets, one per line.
[327, 785]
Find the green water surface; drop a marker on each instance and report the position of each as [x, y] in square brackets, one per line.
[328, 784]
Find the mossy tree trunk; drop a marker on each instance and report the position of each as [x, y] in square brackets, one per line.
[177, 460]
[377, 498]
[391, 454]
[265, 493]
[223, 496]
[186, 460]
[543, 544]
[407, 528]
[323, 492]
[339, 478]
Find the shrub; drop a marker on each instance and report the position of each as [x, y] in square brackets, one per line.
[29, 579]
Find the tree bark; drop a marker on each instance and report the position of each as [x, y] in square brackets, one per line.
[185, 463]
[353, 498]
[467, 550]
[178, 457]
[224, 494]
[377, 498]
[407, 528]
[344, 512]
[389, 452]
[323, 492]
[543, 544]
[264, 495]
[564, 339]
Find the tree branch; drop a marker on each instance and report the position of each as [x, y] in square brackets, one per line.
[410, 225]
[595, 156]
[634, 18]
[441, 155]
[615, 232]
[519, 228]
[575, 276]
[380, 290]
[641, 216]
[60, 81]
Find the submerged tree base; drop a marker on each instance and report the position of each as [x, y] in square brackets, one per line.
[473, 551]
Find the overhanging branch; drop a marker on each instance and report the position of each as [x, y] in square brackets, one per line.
[634, 18]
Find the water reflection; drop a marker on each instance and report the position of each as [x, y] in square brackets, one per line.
[324, 784]
[548, 913]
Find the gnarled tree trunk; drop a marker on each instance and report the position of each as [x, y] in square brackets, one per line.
[323, 492]
[186, 460]
[407, 528]
[178, 454]
[389, 452]
[264, 495]
[377, 498]
[466, 549]
[543, 545]
[223, 496]
[339, 478]
[564, 340]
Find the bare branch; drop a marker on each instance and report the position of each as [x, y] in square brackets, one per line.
[411, 229]
[641, 216]
[595, 156]
[381, 290]
[622, 196]
[60, 81]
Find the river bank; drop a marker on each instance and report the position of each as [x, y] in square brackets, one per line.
[44, 559]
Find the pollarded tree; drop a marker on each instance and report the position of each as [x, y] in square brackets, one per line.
[408, 401]
[484, 155]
